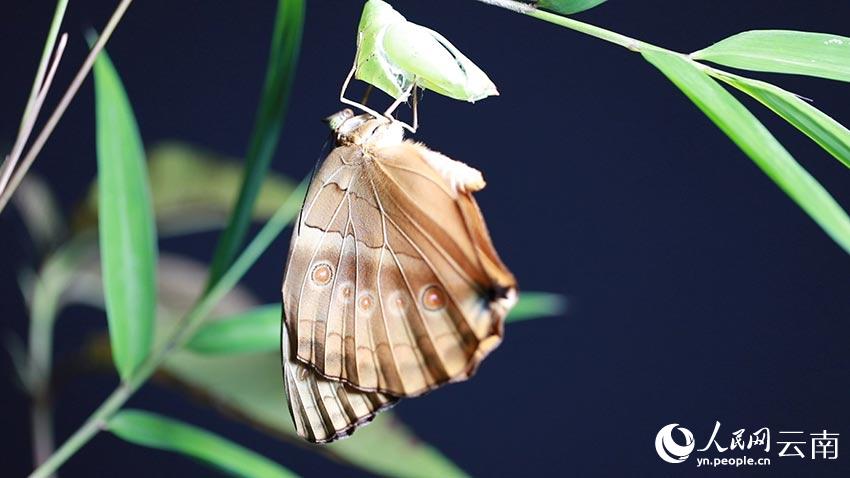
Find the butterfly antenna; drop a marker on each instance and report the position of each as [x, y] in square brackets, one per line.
[322, 154]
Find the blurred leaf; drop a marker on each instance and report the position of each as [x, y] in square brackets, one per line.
[756, 141]
[258, 330]
[128, 246]
[156, 431]
[19, 358]
[280, 73]
[783, 51]
[534, 305]
[825, 131]
[194, 190]
[568, 6]
[250, 387]
[74, 278]
[40, 212]
[392, 53]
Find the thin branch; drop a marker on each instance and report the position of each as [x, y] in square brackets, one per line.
[63, 104]
[58, 16]
[518, 7]
[31, 115]
[567, 22]
[30, 111]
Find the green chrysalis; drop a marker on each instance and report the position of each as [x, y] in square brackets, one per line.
[393, 54]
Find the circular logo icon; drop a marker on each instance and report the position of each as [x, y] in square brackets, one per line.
[667, 447]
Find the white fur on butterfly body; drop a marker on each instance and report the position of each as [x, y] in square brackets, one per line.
[373, 134]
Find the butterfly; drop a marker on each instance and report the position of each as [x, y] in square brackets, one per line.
[392, 287]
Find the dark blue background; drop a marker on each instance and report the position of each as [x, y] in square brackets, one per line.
[699, 291]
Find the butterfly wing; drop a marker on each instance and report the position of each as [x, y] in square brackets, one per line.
[325, 410]
[393, 283]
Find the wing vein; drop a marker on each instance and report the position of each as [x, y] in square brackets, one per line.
[304, 280]
[384, 243]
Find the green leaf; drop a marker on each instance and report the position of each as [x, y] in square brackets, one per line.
[783, 51]
[280, 74]
[258, 330]
[756, 141]
[817, 125]
[568, 7]
[533, 305]
[127, 236]
[194, 190]
[156, 431]
[250, 387]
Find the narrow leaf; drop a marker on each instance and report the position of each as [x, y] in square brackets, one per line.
[568, 7]
[534, 305]
[156, 431]
[825, 131]
[756, 141]
[280, 73]
[127, 237]
[783, 51]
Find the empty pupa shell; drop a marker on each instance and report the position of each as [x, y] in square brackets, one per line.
[392, 53]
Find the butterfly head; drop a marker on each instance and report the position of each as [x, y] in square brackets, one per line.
[365, 130]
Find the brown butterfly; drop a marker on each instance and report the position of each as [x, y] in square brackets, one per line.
[392, 287]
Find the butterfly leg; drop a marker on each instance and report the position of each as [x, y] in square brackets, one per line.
[401, 99]
[415, 110]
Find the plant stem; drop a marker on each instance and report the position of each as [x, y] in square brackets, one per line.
[58, 15]
[566, 22]
[18, 176]
[42, 429]
[50, 283]
[39, 86]
[181, 334]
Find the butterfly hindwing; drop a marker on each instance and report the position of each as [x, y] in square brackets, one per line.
[325, 410]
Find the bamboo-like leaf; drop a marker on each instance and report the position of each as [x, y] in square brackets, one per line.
[568, 7]
[783, 51]
[156, 431]
[280, 74]
[756, 141]
[127, 236]
[817, 125]
[258, 330]
[250, 387]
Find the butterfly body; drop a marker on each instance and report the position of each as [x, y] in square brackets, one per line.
[393, 287]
